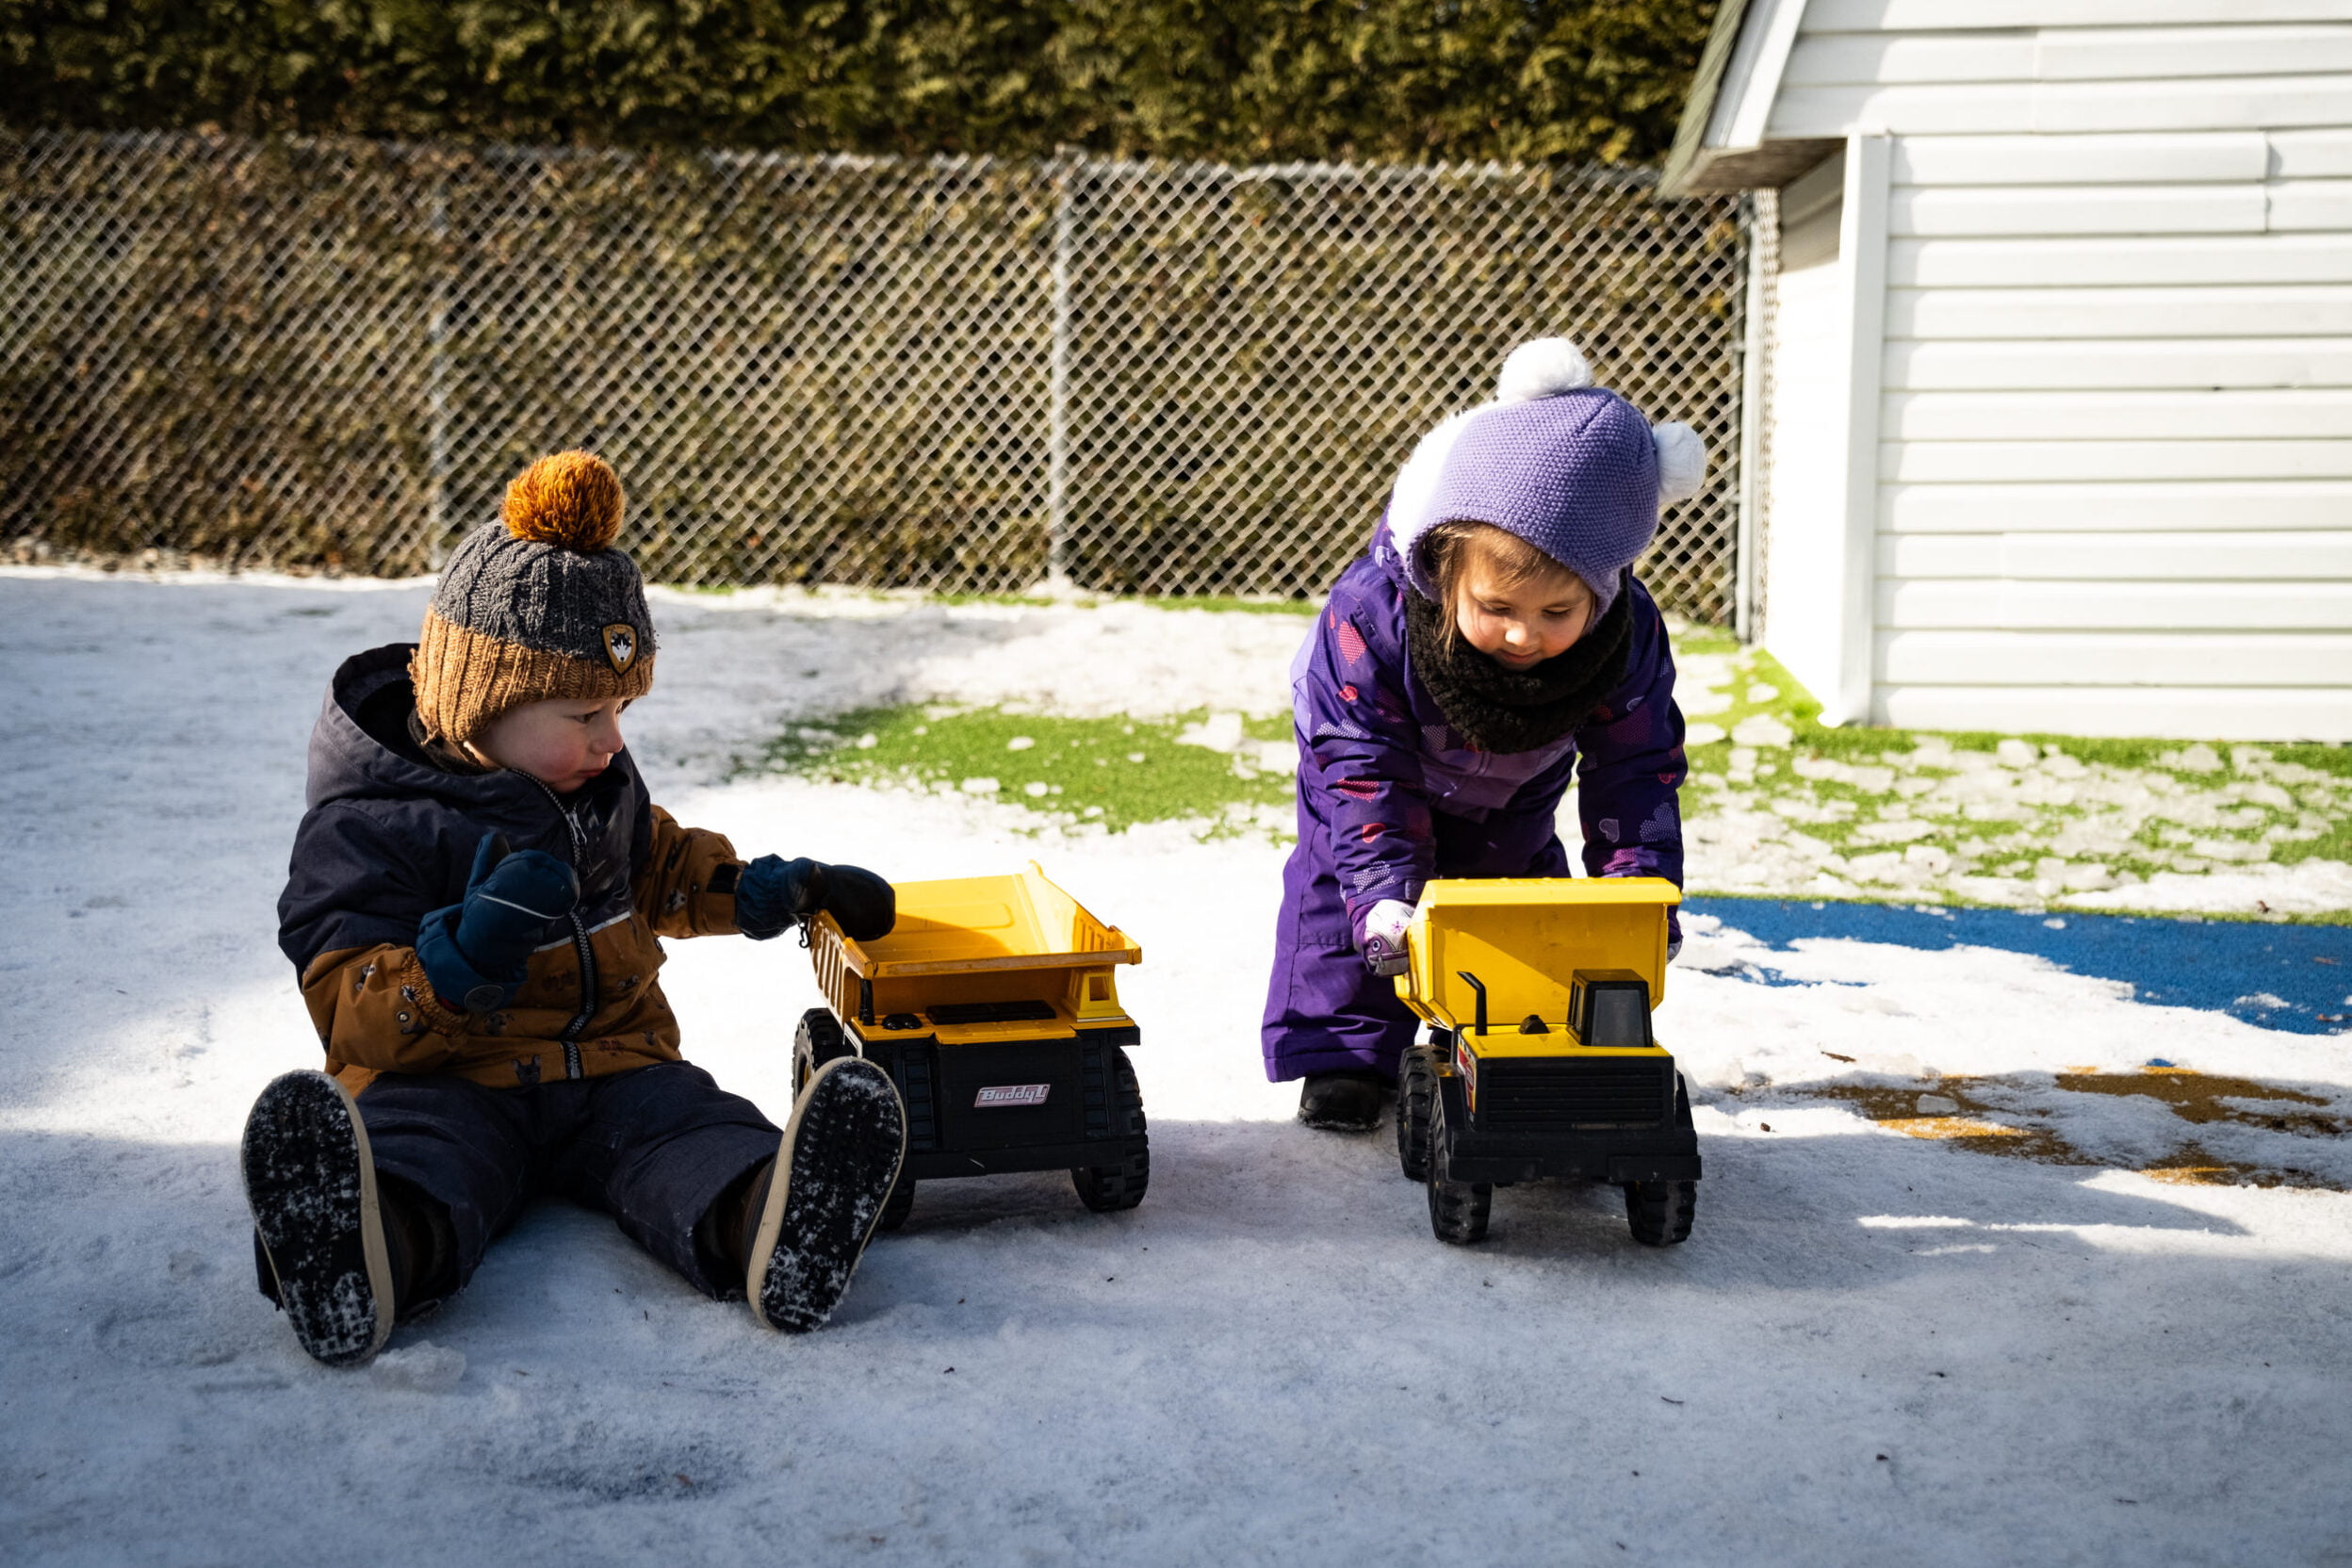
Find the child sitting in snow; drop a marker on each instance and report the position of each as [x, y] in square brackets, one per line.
[1493, 639]
[474, 905]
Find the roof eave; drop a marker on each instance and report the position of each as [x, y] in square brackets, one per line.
[1719, 171]
[1684, 162]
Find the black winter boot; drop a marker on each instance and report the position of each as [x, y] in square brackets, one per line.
[418, 1244]
[1345, 1102]
[809, 1214]
[311, 1187]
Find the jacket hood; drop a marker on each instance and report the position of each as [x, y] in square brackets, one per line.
[360, 749]
[1386, 554]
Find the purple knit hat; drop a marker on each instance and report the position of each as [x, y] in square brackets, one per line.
[1572, 469]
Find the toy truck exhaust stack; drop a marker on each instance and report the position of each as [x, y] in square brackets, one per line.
[992, 1006]
[1538, 992]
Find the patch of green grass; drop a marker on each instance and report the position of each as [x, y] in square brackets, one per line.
[2137, 807]
[1222, 603]
[1689, 639]
[1841, 787]
[1796, 707]
[1117, 772]
[2334, 759]
[1030, 601]
[2333, 845]
[1246, 607]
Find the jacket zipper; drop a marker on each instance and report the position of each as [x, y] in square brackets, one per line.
[570, 1038]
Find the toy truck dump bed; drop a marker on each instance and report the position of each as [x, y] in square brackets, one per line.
[992, 1005]
[1540, 1061]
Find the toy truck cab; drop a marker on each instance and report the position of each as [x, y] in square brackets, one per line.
[1541, 1060]
[992, 1005]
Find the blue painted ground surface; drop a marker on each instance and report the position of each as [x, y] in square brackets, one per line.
[2291, 977]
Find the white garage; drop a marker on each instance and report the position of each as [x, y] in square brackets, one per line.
[2055, 430]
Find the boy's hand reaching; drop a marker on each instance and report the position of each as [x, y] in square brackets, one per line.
[477, 953]
[774, 893]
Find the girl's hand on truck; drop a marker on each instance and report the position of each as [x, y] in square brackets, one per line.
[775, 894]
[1383, 943]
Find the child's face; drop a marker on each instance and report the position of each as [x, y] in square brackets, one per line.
[1520, 627]
[561, 742]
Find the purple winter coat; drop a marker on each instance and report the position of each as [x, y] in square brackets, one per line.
[1390, 797]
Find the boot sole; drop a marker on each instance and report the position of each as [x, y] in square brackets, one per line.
[1335, 1124]
[835, 1168]
[311, 1182]
[1343, 1118]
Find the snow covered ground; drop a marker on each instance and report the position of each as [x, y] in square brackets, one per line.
[1879, 1344]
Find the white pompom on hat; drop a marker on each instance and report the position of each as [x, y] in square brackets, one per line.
[1572, 469]
[1681, 461]
[1542, 369]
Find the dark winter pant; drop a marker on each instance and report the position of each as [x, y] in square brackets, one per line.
[654, 1148]
[1325, 1012]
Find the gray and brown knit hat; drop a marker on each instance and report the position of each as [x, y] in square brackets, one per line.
[535, 606]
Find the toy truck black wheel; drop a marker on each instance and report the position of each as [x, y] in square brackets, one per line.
[1660, 1212]
[818, 1040]
[895, 1208]
[1457, 1210]
[1416, 1090]
[1106, 1188]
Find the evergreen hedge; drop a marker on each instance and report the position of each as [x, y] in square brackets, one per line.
[1244, 81]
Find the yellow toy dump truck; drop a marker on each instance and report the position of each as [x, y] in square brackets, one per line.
[992, 1006]
[1538, 994]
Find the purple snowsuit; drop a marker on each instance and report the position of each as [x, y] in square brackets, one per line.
[1390, 797]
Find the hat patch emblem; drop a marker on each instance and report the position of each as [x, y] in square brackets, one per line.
[620, 645]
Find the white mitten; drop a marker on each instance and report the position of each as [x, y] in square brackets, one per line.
[1384, 937]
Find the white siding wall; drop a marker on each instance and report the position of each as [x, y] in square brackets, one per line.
[2115, 424]
[1809, 363]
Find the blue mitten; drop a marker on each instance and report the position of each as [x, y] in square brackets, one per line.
[775, 894]
[477, 953]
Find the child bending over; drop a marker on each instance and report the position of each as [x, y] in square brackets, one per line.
[1491, 643]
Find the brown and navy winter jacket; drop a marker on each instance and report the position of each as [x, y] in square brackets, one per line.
[389, 836]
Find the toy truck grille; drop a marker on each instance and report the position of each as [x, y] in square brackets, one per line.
[1541, 1063]
[1611, 1092]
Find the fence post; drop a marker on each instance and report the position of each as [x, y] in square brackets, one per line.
[437, 380]
[1754, 325]
[1057, 437]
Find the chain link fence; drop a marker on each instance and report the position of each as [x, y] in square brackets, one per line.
[955, 374]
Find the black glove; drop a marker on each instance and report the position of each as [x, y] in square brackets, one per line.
[774, 893]
[477, 953]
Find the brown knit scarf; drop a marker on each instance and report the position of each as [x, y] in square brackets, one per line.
[1500, 710]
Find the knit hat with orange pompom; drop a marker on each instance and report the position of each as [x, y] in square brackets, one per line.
[535, 606]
